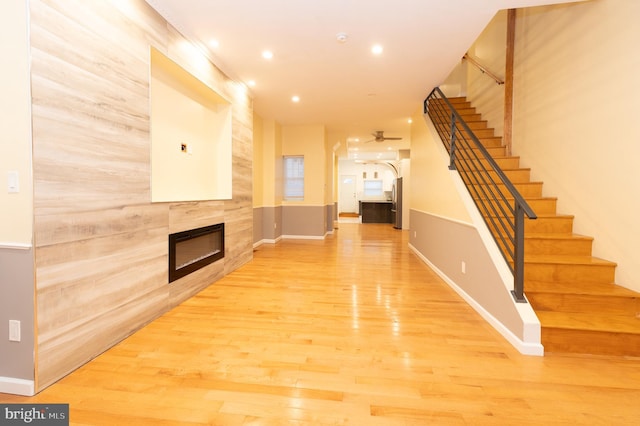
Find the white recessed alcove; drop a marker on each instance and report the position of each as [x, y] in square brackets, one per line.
[190, 136]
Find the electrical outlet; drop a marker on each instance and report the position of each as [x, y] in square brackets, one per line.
[14, 331]
[463, 267]
[415, 234]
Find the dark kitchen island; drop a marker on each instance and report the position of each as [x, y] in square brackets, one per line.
[376, 211]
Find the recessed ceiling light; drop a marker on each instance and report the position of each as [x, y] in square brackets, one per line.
[295, 98]
[267, 54]
[251, 83]
[214, 43]
[377, 49]
[409, 121]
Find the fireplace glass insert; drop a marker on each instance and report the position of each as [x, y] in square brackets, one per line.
[194, 249]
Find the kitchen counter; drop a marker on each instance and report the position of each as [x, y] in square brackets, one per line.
[376, 211]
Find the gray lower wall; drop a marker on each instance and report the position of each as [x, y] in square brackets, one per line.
[273, 223]
[267, 224]
[304, 221]
[258, 228]
[16, 303]
[446, 244]
[331, 216]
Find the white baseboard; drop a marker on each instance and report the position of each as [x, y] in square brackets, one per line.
[304, 237]
[17, 386]
[526, 348]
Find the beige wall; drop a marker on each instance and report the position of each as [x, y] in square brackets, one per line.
[309, 141]
[576, 106]
[432, 190]
[15, 121]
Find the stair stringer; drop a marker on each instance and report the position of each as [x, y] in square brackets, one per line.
[494, 301]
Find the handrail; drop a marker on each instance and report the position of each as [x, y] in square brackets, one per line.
[482, 68]
[500, 203]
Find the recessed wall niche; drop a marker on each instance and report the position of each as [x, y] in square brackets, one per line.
[190, 136]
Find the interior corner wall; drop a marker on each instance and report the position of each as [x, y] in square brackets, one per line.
[267, 180]
[576, 100]
[101, 251]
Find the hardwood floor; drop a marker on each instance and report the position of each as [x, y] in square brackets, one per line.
[352, 330]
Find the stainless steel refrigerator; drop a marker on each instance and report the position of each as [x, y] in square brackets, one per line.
[396, 203]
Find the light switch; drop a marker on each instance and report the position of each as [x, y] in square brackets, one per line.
[13, 182]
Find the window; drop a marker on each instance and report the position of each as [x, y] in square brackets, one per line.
[373, 188]
[294, 177]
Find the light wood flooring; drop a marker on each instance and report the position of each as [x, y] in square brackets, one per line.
[352, 330]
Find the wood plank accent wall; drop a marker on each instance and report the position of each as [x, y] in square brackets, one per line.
[101, 245]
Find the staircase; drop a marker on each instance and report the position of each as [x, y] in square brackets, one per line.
[580, 308]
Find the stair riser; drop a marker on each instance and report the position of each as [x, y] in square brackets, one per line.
[528, 189]
[554, 247]
[583, 303]
[497, 151]
[539, 206]
[590, 342]
[557, 247]
[457, 102]
[569, 273]
[504, 163]
[544, 225]
[515, 176]
[477, 125]
[491, 142]
[548, 225]
[464, 112]
[481, 133]
[468, 118]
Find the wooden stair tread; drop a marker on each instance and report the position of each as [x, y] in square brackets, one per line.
[547, 215]
[556, 236]
[582, 288]
[508, 197]
[590, 322]
[568, 260]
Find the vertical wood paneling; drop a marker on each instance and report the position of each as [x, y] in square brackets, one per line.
[101, 245]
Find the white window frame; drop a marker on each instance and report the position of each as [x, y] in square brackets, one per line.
[293, 177]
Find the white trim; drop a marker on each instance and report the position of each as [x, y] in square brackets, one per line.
[17, 386]
[524, 347]
[266, 241]
[15, 246]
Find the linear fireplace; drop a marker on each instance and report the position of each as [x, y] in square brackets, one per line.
[194, 249]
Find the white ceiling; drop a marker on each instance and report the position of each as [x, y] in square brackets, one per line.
[341, 85]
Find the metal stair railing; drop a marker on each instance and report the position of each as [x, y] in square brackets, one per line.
[500, 203]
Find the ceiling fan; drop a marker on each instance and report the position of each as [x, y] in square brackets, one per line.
[380, 137]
